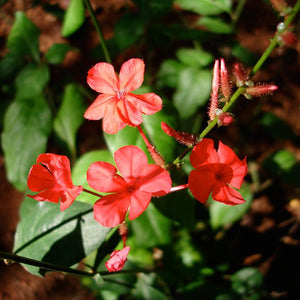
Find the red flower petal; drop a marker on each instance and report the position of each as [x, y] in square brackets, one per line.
[201, 183]
[130, 161]
[103, 177]
[139, 202]
[40, 178]
[204, 153]
[129, 113]
[113, 121]
[111, 210]
[117, 260]
[98, 109]
[147, 104]
[103, 79]
[51, 195]
[227, 195]
[68, 197]
[131, 74]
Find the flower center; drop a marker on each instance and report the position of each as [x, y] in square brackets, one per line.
[130, 188]
[121, 93]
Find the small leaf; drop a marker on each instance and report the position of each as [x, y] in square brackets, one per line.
[56, 54]
[31, 81]
[74, 17]
[222, 214]
[216, 25]
[194, 57]
[23, 37]
[206, 7]
[27, 124]
[9, 65]
[62, 238]
[151, 228]
[70, 116]
[80, 169]
[193, 91]
[151, 9]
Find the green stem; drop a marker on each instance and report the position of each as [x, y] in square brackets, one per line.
[97, 27]
[43, 265]
[237, 13]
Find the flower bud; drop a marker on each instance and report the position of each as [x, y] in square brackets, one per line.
[224, 118]
[214, 93]
[225, 85]
[260, 90]
[117, 260]
[280, 5]
[287, 38]
[240, 74]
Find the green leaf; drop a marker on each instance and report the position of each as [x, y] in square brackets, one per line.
[23, 37]
[9, 65]
[62, 238]
[168, 74]
[80, 169]
[205, 7]
[56, 54]
[27, 124]
[31, 81]
[280, 162]
[151, 9]
[70, 116]
[193, 91]
[74, 17]
[222, 214]
[124, 137]
[216, 25]
[194, 57]
[151, 228]
[129, 29]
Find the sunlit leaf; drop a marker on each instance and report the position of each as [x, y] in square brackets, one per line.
[216, 25]
[193, 91]
[27, 124]
[56, 54]
[222, 214]
[206, 7]
[74, 17]
[194, 57]
[62, 238]
[23, 37]
[70, 116]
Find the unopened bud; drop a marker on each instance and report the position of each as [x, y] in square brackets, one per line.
[156, 156]
[240, 74]
[214, 91]
[225, 85]
[280, 5]
[224, 118]
[185, 138]
[260, 90]
[287, 38]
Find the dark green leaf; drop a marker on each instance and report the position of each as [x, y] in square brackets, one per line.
[70, 116]
[216, 25]
[31, 81]
[80, 169]
[153, 8]
[9, 65]
[23, 37]
[151, 228]
[193, 91]
[194, 57]
[56, 54]
[27, 124]
[62, 238]
[222, 214]
[206, 7]
[74, 17]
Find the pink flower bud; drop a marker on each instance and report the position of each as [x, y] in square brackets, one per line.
[117, 260]
[156, 156]
[288, 38]
[260, 90]
[181, 137]
[225, 85]
[214, 94]
[240, 74]
[225, 118]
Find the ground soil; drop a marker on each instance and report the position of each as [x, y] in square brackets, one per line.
[268, 236]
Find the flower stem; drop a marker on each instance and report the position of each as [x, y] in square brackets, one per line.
[97, 27]
[92, 193]
[237, 13]
[144, 137]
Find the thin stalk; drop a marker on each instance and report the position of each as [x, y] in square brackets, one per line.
[43, 265]
[97, 27]
[238, 11]
[92, 193]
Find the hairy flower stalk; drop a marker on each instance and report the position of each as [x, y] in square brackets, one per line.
[281, 6]
[240, 74]
[214, 94]
[225, 84]
[260, 90]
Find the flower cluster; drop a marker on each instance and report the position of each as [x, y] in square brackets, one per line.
[130, 184]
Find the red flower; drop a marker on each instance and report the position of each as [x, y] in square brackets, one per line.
[216, 172]
[51, 177]
[116, 104]
[117, 260]
[133, 191]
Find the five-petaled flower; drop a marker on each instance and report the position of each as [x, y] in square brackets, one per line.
[51, 177]
[117, 260]
[217, 172]
[116, 104]
[133, 190]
